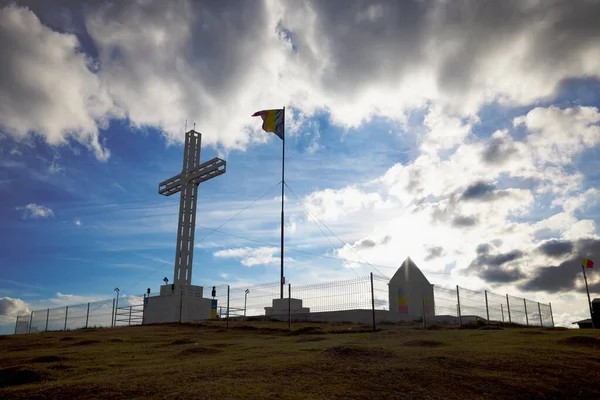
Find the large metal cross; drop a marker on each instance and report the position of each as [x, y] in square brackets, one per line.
[192, 174]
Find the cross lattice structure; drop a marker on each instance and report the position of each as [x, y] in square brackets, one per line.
[192, 174]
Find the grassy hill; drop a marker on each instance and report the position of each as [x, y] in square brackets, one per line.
[320, 361]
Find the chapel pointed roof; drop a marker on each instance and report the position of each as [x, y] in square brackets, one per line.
[408, 273]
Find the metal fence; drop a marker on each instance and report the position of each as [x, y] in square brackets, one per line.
[105, 313]
[491, 307]
[368, 294]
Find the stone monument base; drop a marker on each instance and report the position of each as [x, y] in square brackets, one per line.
[281, 307]
[178, 303]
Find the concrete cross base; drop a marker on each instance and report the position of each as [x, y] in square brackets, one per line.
[280, 308]
[177, 303]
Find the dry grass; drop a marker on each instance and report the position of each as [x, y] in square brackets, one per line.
[263, 360]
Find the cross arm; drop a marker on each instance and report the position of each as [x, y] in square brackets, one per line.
[202, 173]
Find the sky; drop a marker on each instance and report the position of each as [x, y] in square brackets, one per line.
[466, 136]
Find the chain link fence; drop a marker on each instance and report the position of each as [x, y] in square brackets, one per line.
[362, 299]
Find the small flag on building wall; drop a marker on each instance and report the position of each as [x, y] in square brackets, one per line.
[402, 303]
[587, 263]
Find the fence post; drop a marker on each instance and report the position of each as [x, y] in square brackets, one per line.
[16, 324]
[180, 304]
[290, 306]
[116, 309]
[112, 315]
[540, 312]
[423, 308]
[551, 315]
[130, 315]
[66, 316]
[227, 306]
[47, 317]
[526, 316]
[508, 307]
[458, 306]
[373, 303]
[487, 309]
[502, 310]
[30, 319]
[87, 316]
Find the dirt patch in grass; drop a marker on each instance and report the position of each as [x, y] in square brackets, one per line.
[451, 362]
[490, 328]
[532, 332]
[581, 341]
[308, 330]
[424, 343]
[310, 339]
[48, 359]
[556, 328]
[116, 340]
[66, 338]
[86, 342]
[199, 351]
[436, 327]
[222, 345]
[62, 367]
[357, 352]
[19, 376]
[179, 342]
[256, 328]
[357, 329]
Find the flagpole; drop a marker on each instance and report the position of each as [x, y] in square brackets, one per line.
[282, 197]
[588, 295]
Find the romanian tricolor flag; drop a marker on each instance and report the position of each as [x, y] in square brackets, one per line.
[402, 303]
[273, 121]
[587, 263]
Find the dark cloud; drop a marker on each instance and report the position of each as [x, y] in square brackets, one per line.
[490, 267]
[567, 275]
[370, 243]
[484, 257]
[434, 252]
[556, 248]
[477, 190]
[365, 244]
[483, 248]
[481, 28]
[463, 222]
[498, 151]
[500, 275]
[481, 191]
[448, 212]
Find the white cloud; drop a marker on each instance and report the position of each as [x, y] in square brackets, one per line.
[200, 61]
[34, 93]
[36, 211]
[77, 222]
[421, 205]
[11, 308]
[332, 204]
[559, 134]
[55, 166]
[250, 257]
[62, 299]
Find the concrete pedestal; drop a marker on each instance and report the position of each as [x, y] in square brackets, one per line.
[182, 303]
[281, 307]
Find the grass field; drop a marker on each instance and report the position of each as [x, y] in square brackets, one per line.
[264, 360]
